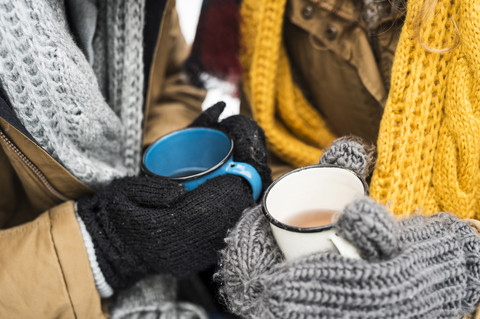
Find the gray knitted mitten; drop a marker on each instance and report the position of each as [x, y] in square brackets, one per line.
[350, 152]
[421, 267]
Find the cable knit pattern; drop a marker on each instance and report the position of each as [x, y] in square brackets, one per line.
[428, 149]
[434, 271]
[57, 95]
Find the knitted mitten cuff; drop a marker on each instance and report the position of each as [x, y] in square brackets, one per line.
[103, 288]
[115, 259]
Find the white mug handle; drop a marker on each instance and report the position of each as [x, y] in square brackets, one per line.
[344, 247]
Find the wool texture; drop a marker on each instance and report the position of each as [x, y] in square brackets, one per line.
[350, 152]
[89, 119]
[421, 267]
[428, 150]
[146, 225]
[150, 224]
[295, 131]
[153, 298]
[249, 144]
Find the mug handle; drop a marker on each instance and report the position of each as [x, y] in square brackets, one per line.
[248, 172]
[345, 248]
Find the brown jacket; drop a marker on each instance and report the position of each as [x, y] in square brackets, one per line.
[325, 41]
[342, 71]
[44, 268]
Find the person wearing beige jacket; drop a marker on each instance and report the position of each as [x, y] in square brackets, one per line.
[85, 87]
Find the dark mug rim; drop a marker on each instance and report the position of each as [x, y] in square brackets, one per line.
[297, 229]
[194, 176]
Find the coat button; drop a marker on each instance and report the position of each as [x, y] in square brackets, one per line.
[331, 32]
[307, 12]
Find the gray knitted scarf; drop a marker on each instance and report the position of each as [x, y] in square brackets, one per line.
[89, 119]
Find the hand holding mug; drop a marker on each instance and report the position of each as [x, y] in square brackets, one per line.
[302, 205]
[194, 155]
[151, 224]
[248, 139]
[420, 267]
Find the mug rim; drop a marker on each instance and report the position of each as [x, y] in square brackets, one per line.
[194, 176]
[297, 229]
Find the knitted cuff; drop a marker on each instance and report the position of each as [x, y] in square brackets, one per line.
[119, 265]
[102, 285]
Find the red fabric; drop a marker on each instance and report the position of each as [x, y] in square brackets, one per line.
[217, 41]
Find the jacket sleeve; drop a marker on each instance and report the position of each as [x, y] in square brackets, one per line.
[172, 102]
[45, 271]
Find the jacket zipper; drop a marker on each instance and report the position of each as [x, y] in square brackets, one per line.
[33, 168]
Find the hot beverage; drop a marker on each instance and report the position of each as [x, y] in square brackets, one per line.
[187, 171]
[303, 205]
[312, 218]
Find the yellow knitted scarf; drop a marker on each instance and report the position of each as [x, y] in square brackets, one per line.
[294, 129]
[429, 139]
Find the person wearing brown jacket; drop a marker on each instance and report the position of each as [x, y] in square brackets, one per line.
[399, 74]
[85, 86]
[324, 40]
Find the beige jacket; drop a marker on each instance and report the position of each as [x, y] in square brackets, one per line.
[44, 268]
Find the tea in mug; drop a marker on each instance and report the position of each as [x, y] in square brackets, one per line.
[312, 218]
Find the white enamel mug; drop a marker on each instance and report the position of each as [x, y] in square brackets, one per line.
[315, 187]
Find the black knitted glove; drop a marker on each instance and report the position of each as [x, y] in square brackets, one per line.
[143, 225]
[421, 267]
[248, 138]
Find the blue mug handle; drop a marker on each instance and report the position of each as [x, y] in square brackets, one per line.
[247, 171]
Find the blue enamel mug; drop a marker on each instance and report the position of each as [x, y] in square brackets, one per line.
[191, 156]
